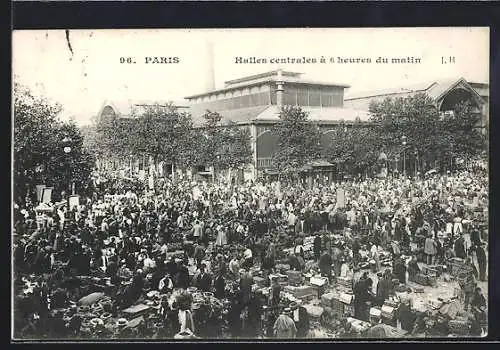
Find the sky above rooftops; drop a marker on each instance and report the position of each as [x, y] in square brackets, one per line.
[83, 79]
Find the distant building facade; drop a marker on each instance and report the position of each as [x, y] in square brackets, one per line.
[445, 93]
[255, 101]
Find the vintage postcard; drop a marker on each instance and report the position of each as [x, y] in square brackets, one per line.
[250, 184]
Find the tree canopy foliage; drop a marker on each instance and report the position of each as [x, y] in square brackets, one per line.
[430, 134]
[298, 140]
[356, 148]
[39, 157]
[223, 147]
[166, 134]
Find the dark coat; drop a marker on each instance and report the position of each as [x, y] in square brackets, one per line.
[460, 249]
[204, 282]
[383, 289]
[400, 271]
[481, 256]
[317, 246]
[182, 280]
[325, 264]
[303, 323]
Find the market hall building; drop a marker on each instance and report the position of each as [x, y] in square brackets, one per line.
[255, 102]
[445, 93]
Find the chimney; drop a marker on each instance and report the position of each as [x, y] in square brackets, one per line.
[279, 89]
[210, 73]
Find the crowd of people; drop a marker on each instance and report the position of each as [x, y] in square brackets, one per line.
[213, 237]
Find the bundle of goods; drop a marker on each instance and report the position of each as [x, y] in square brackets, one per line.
[358, 325]
[294, 277]
[300, 292]
[314, 312]
[375, 315]
[459, 326]
[423, 279]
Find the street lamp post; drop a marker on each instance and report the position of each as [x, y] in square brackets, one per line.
[403, 142]
[67, 150]
[131, 164]
[416, 162]
[451, 157]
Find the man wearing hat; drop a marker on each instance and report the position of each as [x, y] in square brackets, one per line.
[284, 327]
[203, 281]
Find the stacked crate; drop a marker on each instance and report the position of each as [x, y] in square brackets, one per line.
[388, 314]
[340, 304]
[344, 284]
[375, 315]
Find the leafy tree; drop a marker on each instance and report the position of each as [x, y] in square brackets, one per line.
[298, 140]
[223, 147]
[38, 147]
[163, 133]
[430, 135]
[210, 140]
[112, 138]
[465, 138]
[238, 149]
[356, 149]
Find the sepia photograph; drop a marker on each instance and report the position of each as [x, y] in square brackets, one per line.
[252, 184]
